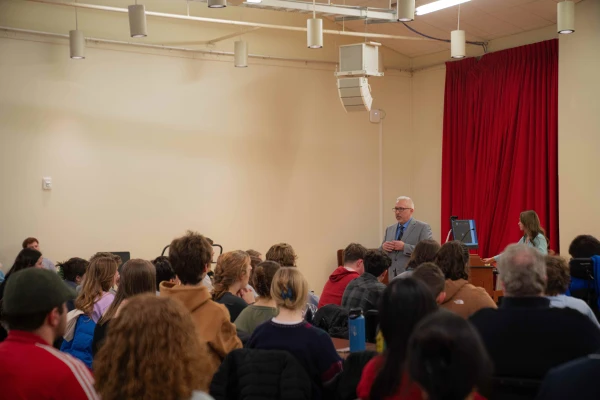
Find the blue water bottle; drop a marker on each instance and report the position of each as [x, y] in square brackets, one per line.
[356, 330]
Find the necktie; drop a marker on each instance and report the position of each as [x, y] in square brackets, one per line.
[399, 232]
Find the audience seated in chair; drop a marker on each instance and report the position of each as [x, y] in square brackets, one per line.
[353, 267]
[311, 346]
[557, 271]
[33, 243]
[404, 303]
[164, 271]
[447, 358]
[93, 301]
[190, 257]
[265, 307]
[137, 277]
[425, 251]
[365, 291]
[73, 270]
[525, 337]
[261, 374]
[165, 361]
[231, 280]
[584, 246]
[461, 297]
[432, 276]
[30, 368]
[284, 255]
[577, 379]
[255, 259]
[345, 384]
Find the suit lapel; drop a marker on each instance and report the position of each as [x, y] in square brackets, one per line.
[409, 230]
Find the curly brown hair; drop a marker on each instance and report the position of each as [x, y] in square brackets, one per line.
[283, 254]
[231, 267]
[99, 278]
[151, 352]
[263, 277]
[559, 275]
[453, 260]
[424, 251]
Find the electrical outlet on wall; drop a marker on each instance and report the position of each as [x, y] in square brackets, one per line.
[47, 183]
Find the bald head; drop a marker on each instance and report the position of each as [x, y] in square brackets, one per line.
[522, 271]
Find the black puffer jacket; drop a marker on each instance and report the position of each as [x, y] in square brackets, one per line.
[333, 319]
[251, 374]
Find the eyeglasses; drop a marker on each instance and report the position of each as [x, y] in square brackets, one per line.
[400, 209]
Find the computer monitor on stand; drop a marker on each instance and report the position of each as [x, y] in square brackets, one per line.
[464, 231]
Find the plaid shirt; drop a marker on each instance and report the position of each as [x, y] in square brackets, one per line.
[363, 292]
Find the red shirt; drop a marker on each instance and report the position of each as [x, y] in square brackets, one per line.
[335, 286]
[30, 368]
[406, 391]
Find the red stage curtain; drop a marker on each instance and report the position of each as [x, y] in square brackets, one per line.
[500, 145]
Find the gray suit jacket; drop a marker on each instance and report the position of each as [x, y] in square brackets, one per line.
[415, 232]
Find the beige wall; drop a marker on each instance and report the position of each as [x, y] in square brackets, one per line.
[579, 125]
[141, 147]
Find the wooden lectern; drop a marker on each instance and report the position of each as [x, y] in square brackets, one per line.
[481, 275]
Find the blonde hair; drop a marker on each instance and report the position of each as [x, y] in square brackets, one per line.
[151, 352]
[99, 278]
[231, 267]
[289, 288]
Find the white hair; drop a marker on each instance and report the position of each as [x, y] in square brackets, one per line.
[410, 202]
[522, 269]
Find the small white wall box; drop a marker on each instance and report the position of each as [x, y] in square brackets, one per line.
[355, 94]
[360, 59]
[375, 115]
[47, 183]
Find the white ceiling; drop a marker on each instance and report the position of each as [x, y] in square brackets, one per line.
[483, 20]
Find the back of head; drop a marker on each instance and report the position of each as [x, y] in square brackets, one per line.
[584, 246]
[283, 254]
[164, 270]
[425, 251]
[137, 277]
[432, 276]
[25, 259]
[263, 278]
[102, 254]
[558, 275]
[29, 241]
[522, 270]
[163, 328]
[190, 255]
[403, 304]
[99, 278]
[72, 268]
[377, 262]
[289, 288]
[447, 358]
[254, 253]
[453, 260]
[354, 252]
[30, 295]
[231, 268]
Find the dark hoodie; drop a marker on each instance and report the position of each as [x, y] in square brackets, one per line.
[335, 286]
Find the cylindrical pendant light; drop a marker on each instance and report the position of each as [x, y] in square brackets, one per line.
[314, 33]
[217, 3]
[77, 44]
[458, 44]
[240, 54]
[565, 11]
[405, 10]
[137, 20]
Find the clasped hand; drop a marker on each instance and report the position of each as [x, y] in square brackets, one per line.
[394, 245]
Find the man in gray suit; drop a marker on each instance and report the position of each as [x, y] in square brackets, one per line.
[401, 238]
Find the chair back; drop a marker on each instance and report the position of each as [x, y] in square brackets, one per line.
[371, 325]
[333, 319]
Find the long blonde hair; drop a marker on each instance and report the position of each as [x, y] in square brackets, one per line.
[231, 267]
[289, 288]
[98, 279]
[151, 352]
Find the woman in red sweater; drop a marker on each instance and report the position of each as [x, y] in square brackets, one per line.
[403, 304]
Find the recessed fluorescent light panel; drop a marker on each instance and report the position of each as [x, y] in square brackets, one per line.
[438, 5]
[253, 1]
